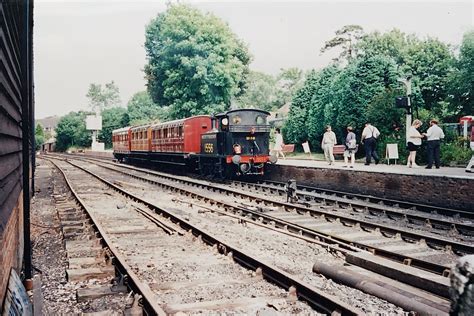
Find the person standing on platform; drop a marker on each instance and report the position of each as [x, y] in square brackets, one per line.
[327, 144]
[471, 162]
[351, 147]
[413, 143]
[434, 135]
[278, 148]
[369, 139]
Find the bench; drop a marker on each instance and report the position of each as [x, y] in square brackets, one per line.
[339, 149]
[289, 148]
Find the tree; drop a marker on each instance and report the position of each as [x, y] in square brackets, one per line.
[346, 38]
[393, 43]
[196, 64]
[261, 92]
[294, 129]
[288, 82]
[321, 107]
[103, 98]
[71, 131]
[111, 119]
[39, 136]
[356, 87]
[462, 80]
[429, 61]
[142, 109]
[339, 97]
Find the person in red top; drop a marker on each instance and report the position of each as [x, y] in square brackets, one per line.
[471, 162]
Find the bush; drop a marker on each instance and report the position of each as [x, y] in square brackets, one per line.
[455, 153]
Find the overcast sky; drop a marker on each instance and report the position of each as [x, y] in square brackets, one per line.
[82, 42]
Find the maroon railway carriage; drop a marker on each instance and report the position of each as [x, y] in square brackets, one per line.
[232, 143]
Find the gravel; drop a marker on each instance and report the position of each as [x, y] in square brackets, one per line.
[288, 253]
[50, 256]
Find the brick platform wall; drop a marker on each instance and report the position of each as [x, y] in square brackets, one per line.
[11, 241]
[433, 190]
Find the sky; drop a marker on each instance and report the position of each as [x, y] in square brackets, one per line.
[78, 42]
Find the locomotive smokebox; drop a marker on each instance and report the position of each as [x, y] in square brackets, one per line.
[236, 159]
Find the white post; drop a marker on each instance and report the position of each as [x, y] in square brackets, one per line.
[465, 129]
[409, 115]
[407, 83]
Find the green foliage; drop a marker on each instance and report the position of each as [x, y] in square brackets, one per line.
[429, 61]
[39, 136]
[462, 79]
[321, 110]
[260, 93]
[71, 131]
[196, 64]
[456, 152]
[346, 38]
[142, 109]
[111, 119]
[392, 44]
[270, 93]
[389, 120]
[100, 99]
[287, 83]
[359, 83]
[294, 130]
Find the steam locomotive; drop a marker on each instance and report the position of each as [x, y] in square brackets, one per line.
[229, 144]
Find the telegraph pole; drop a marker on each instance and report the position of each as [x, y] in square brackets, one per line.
[407, 83]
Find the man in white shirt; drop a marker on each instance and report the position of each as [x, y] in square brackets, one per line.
[434, 135]
[369, 138]
[327, 144]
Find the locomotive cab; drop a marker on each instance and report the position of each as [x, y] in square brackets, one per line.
[239, 141]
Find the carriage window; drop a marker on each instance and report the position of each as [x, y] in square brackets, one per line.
[260, 120]
[236, 120]
[180, 131]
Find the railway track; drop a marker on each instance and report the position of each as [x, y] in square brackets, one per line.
[285, 224]
[297, 218]
[445, 218]
[181, 249]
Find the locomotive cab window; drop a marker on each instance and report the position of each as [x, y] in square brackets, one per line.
[236, 120]
[260, 120]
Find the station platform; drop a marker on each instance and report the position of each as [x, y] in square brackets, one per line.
[454, 172]
[446, 187]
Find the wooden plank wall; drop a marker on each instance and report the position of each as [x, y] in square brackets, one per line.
[15, 35]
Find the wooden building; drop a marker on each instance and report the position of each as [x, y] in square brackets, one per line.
[16, 138]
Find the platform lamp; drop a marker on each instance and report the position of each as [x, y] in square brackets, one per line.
[404, 102]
